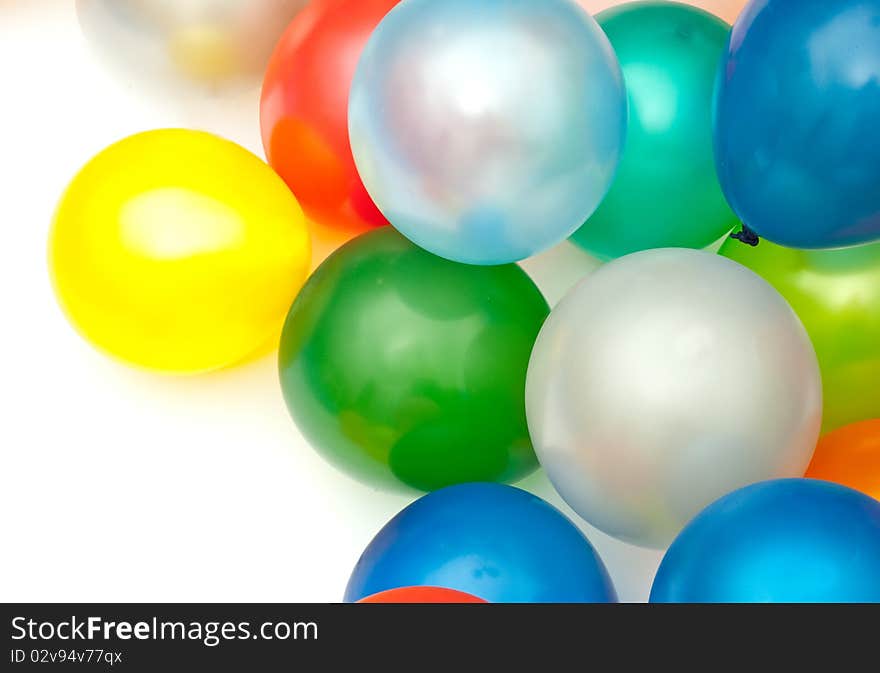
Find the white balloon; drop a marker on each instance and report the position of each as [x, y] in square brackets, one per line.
[211, 42]
[665, 380]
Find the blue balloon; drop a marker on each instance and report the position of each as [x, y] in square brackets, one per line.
[797, 108]
[784, 541]
[487, 130]
[492, 541]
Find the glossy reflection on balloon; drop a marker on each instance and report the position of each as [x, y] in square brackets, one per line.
[836, 293]
[487, 131]
[785, 541]
[211, 42]
[421, 595]
[664, 380]
[796, 121]
[178, 251]
[304, 110]
[666, 191]
[492, 541]
[401, 366]
[850, 456]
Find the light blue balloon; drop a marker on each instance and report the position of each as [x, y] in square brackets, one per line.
[797, 110]
[784, 541]
[487, 130]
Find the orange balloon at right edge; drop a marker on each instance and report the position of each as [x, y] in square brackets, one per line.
[726, 9]
[850, 456]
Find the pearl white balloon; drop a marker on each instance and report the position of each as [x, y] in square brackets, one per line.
[487, 131]
[212, 42]
[665, 380]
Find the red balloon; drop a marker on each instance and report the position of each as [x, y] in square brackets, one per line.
[304, 112]
[421, 595]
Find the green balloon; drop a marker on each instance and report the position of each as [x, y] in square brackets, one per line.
[666, 191]
[836, 293]
[400, 366]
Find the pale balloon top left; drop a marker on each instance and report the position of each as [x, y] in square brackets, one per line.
[210, 43]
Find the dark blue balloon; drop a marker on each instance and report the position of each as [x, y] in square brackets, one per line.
[796, 121]
[784, 541]
[492, 541]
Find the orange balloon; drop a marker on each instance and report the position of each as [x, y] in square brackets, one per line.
[726, 9]
[850, 456]
[421, 595]
[304, 116]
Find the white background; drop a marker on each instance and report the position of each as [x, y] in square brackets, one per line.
[117, 485]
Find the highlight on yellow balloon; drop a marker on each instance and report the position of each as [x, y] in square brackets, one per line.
[178, 251]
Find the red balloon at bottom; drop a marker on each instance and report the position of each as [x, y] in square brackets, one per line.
[421, 595]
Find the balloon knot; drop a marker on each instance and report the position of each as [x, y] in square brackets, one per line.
[747, 236]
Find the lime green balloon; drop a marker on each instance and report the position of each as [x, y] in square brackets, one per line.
[666, 192]
[402, 367]
[836, 293]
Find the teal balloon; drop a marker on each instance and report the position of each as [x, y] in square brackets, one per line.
[666, 192]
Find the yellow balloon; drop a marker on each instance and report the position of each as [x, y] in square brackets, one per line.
[178, 251]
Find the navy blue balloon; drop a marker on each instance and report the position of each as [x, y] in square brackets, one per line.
[796, 121]
[784, 541]
[492, 541]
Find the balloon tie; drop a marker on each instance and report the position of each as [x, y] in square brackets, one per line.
[747, 236]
